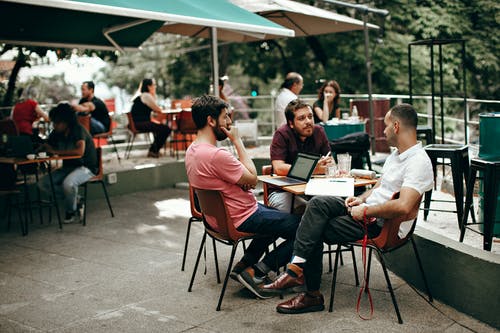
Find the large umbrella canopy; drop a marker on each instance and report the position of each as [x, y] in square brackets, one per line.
[305, 20]
[110, 24]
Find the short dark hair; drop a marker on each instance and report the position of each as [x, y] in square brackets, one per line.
[204, 106]
[63, 113]
[145, 84]
[89, 84]
[290, 79]
[293, 106]
[406, 114]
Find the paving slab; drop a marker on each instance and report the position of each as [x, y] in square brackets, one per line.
[123, 274]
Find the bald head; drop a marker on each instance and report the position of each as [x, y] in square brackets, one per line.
[294, 82]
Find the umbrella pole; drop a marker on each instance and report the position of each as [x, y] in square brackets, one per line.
[215, 61]
[369, 81]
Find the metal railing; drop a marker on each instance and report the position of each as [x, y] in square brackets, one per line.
[262, 108]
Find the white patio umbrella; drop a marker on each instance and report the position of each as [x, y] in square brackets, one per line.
[303, 19]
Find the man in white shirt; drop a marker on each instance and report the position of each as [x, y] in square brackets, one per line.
[289, 91]
[408, 170]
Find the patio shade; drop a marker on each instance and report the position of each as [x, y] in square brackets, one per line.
[110, 24]
[305, 20]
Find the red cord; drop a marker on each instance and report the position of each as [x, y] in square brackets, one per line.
[364, 287]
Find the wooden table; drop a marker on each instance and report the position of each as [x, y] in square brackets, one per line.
[18, 161]
[301, 188]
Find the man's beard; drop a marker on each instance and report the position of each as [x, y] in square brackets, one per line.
[219, 134]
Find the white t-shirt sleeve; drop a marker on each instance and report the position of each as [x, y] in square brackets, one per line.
[419, 174]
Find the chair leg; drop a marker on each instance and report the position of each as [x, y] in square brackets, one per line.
[231, 259]
[129, 146]
[421, 267]
[116, 150]
[216, 261]
[334, 279]
[355, 266]
[107, 198]
[389, 286]
[427, 203]
[191, 219]
[202, 244]
[85, 204]
[468, 204]
[329, 258]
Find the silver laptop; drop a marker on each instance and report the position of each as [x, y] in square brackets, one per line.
[300, 172]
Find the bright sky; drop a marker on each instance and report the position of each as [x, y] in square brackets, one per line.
[76, 70]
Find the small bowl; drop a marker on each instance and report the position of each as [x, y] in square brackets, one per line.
[30, 156]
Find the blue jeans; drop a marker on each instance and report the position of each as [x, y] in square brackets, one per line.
[276, 224]
[96, 126]
[66, 182]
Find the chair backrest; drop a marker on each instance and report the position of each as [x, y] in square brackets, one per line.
[99, 175]
[194, 203]
[213, 207]
[185, 123]
[8, 126]
[388, 237]
[131, 124]
[266, 170]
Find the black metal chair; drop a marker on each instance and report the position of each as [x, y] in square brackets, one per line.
[491, 181]
[459, 162]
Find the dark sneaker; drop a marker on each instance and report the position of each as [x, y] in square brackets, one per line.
[71, 218]
[302, 303]
[237, 269]
[252, 283]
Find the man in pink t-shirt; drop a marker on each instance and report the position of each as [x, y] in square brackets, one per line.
[210, 167]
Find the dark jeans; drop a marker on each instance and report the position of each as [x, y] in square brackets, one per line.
[272, 222]
[160, 133]
[325, 220]
[96, 127]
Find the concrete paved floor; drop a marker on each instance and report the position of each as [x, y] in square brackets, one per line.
[123, 274]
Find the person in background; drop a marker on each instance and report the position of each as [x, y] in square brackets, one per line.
[298, 135]
[327, 106]
[290, 89]
[212, 168]
[335, 220]
[69, 138]
[89, 104]
[143, 104]
[26, 111]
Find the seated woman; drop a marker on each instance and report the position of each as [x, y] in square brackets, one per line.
[26, 112]
[144, 103]
[327, 105]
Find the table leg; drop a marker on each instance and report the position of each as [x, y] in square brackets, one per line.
[457, 173]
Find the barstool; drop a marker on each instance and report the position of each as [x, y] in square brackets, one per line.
[491, 180]
[425, 131]
[459, 161]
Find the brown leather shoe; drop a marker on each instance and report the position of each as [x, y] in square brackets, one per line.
[283, 282]
[302, 303]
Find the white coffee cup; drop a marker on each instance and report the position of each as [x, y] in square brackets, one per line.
[30, 156]
[42, 154]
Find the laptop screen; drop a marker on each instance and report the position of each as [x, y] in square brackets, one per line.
[303, 166]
